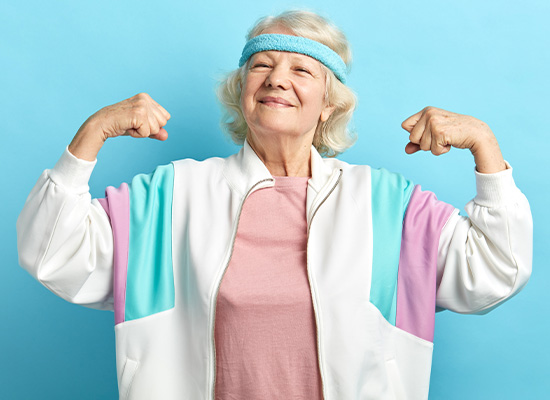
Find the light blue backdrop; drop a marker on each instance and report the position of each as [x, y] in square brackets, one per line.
[60, 61]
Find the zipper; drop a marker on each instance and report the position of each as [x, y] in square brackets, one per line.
[313, 292]
[315, 207]
[213, 305]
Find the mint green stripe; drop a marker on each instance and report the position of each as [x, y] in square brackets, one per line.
[150, 279]
[390, 196]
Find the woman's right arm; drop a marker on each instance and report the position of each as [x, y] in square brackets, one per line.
[64, 238]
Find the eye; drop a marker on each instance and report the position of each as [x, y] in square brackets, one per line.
[304, 70]
[260, 65]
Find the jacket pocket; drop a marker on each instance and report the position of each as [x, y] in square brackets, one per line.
[394, 379]
[127, 377]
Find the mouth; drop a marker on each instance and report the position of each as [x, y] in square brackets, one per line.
[277, 102]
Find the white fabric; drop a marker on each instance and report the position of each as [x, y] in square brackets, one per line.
[65, 241]
[485, 259]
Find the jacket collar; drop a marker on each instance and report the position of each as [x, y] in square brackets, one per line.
[245, 170]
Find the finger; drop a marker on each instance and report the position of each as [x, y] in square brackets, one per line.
[411, 148]
[139, 129]
[426, 138]
[161, 120]
[143, 130]
[439, 145]
[418, 130]
[154, 126]
[410, 122]
[162, 135]
[439, 149]
[162, 110]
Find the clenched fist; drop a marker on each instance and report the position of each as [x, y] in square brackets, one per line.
[437, 130]
[139, 116]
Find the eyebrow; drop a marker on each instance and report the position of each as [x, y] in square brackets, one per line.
[295, 58]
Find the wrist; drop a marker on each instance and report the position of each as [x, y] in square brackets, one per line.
[88, 141]
[487, 155]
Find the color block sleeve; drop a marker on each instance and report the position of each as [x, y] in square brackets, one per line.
[416, 284]
[64, 238]
[486, 258]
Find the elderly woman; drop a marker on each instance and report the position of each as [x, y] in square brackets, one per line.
[277, 273]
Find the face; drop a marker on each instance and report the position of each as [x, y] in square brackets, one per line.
[284, 96]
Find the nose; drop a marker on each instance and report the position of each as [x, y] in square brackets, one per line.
[278, 78]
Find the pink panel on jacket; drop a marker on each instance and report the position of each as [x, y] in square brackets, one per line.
[117, 206]
[416, 282]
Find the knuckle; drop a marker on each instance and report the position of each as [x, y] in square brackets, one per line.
[431, 112]
[435, 126]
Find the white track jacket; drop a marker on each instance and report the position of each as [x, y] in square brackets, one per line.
[382, 255]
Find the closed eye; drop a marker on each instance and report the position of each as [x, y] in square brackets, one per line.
[302, 69]
[260, 65]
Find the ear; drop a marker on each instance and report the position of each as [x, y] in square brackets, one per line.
[327, 112]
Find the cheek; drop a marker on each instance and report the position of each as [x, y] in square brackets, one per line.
[247, 93]
[246, 100]
[314, 99]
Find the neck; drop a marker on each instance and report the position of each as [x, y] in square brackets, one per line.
[283, 157]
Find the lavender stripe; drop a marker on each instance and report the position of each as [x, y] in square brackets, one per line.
[416, 281]
[117, 206]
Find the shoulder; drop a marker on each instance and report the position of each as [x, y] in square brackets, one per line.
[208, 163]
[189, 167]
[378, 177]
[164, 175]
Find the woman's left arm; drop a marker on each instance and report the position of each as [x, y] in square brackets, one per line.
[437, 130]
[485, 258]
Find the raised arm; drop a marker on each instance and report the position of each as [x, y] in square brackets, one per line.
[64, 237]
[485, 258]
[139, 116]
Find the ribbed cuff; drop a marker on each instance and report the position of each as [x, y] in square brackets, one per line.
[496, 189]
[72, 173]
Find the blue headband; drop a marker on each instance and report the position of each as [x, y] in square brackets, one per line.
[296, 44]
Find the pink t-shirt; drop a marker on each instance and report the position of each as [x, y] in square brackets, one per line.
[266, 340]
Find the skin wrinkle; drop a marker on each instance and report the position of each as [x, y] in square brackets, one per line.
[282, 135]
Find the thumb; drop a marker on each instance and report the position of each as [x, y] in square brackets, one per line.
[162, 135]
[411, 148]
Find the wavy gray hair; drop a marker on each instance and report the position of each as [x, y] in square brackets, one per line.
[333, 136]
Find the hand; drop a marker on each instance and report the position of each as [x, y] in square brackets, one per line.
[139, 116]
[437, 130]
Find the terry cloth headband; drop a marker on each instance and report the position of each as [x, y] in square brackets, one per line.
[296, 44]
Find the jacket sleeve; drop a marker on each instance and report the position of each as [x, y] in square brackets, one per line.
[485, 259]
[64, 238]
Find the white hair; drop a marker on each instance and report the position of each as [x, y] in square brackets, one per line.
[333, 136]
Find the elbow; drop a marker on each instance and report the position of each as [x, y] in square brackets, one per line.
[27, 253]
[507, 290]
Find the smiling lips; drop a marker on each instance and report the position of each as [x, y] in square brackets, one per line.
[275, 102]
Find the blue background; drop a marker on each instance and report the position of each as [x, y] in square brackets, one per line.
[60, 61]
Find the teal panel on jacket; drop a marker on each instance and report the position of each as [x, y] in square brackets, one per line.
[390, 197]
[150, 278]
